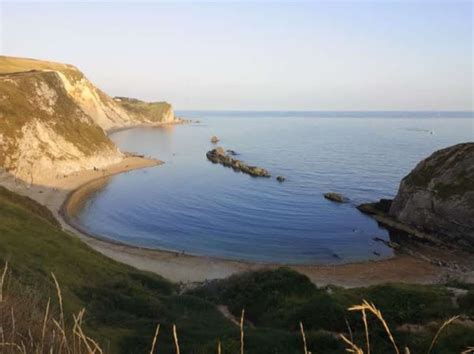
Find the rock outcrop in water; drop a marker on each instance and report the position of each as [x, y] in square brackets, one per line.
[438, 195]
[218, 155]
[281, 179]
[335, 197]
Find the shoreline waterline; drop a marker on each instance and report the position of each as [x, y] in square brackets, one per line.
[196, 207]
[177, 121]
[189, 268]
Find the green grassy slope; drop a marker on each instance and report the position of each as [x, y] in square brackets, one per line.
[123, 304]
[10, 65]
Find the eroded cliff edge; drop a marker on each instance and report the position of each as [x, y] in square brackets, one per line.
[53, 120]
[438, 195]
[435, 201]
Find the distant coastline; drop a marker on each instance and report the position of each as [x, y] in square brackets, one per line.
[423, 114]
[177, 121]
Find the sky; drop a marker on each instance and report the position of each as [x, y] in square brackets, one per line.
[258, 55]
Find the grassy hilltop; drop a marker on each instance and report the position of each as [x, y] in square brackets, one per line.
[123, 305]
[9, 65]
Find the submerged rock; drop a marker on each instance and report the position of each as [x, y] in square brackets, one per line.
[281, 179]
[232, 152]
[214, 139]
[218, 155]
[335, 197]
[380, 207]
[438, 195]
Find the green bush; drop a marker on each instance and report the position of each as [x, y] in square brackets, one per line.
[466, 303]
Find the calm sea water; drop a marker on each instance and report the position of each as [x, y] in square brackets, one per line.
[192, 205]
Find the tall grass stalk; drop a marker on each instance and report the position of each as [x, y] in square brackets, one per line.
[2, 280]
[366, 306]
[370, 307]
[443, 326]
[153, 343]
[242, 331]
[175, 337]
[303, 336]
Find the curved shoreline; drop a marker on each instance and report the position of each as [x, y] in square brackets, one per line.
[188, 268]
[77, 198]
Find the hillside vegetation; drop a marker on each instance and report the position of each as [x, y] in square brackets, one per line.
[123, 305]
[280, 299]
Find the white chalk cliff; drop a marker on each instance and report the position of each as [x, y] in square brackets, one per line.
[53, 120]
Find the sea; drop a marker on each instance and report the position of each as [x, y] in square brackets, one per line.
[192, 206]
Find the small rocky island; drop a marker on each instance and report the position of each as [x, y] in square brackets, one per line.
[335, 197]
[219, 155]
[435, 199]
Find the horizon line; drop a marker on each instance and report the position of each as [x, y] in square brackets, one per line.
[333, 110]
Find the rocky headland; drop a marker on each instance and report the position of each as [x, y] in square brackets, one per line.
[147, 112]
[435, 201]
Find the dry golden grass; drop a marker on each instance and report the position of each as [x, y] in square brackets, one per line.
[303, 336]
[367, 307]
[155, 337]
[2, 280]
[175, 337]
[26, 329]
[22, 330]
[242, 332]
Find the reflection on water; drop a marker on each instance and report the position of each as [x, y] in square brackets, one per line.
[191, 205]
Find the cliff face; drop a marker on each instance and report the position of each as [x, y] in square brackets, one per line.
[44, 133]
[146, 112]
[53, 120]
[438, 195]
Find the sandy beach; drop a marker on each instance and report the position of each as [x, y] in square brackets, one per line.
[69, 193]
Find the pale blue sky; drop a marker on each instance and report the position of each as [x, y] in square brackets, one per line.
[378, 55]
